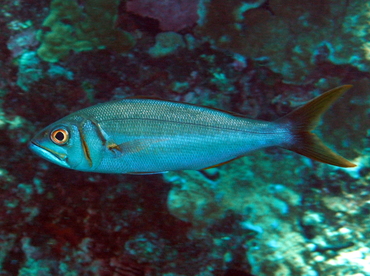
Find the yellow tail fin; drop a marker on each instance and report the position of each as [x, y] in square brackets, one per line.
[304, 119]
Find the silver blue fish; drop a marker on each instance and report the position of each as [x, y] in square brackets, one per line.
[141, 136]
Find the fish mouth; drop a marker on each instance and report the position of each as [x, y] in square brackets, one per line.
[46, 152]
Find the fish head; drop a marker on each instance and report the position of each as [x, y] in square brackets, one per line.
[60, 144]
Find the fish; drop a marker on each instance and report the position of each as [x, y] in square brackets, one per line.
[148, 136]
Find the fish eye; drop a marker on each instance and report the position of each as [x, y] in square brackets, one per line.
[59, 136]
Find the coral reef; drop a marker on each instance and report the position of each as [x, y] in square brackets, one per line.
[271, 213]
[279, 246]
[70, 27]
[290, 33]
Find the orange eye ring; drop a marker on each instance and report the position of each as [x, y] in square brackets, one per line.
[59, 136]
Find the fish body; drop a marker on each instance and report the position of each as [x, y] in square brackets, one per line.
[140, 136]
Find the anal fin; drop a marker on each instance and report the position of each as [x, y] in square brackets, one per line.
[222, 163]
[146, 173]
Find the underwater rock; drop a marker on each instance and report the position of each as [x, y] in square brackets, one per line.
[172, 15]
[166, 44]
[30, 70]
[22, 42]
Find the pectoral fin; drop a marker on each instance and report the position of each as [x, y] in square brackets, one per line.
[133, 146]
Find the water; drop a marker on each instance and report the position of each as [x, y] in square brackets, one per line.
[271, 213]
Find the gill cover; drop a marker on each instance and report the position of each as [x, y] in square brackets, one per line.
[70, 142]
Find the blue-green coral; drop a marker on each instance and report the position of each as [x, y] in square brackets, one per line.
[72, 27]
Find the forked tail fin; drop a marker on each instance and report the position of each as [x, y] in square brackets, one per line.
[304, 119]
